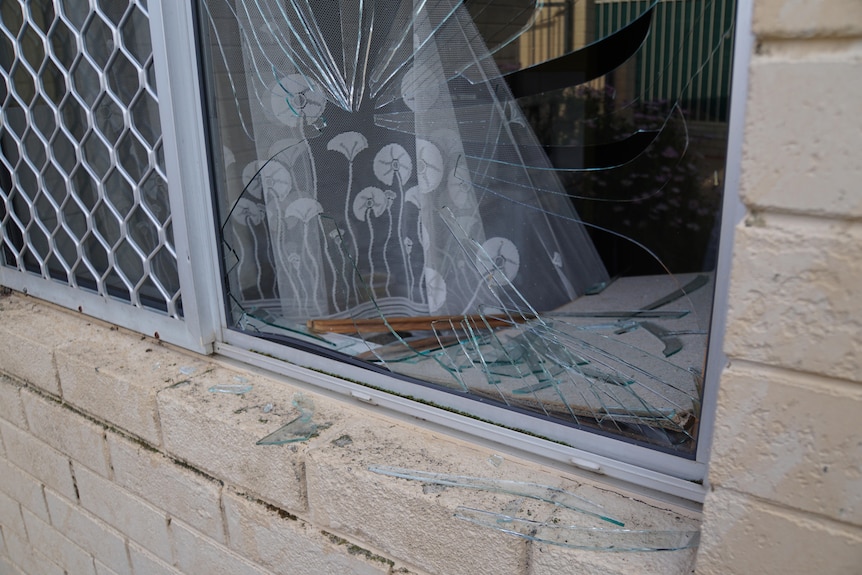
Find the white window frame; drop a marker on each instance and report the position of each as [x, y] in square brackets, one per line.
[204, 327]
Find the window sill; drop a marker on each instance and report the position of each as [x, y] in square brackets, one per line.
[161, 398]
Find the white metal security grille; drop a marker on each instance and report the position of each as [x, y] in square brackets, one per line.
[84, 195]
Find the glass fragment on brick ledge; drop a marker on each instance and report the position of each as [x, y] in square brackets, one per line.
[555, 516]
[579, 537]
[515, 201]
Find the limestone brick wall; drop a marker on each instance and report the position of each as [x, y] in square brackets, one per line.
[786, 464]
[116, 458]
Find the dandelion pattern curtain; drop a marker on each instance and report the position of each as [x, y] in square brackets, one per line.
[393, 169]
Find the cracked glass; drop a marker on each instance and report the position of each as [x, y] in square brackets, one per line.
[514, 201]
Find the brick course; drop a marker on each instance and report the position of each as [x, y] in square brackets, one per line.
[785, 469]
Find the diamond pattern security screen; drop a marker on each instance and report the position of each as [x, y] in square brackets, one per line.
[83, 190]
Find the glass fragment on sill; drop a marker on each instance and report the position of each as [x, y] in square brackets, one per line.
[301, 428]
[428, 191]
[546, 493]
[579, 537]
[231, 388]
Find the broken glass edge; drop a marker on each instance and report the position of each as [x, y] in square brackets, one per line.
[546, 493]
[231, 388]
[583, 538]
[300, 428]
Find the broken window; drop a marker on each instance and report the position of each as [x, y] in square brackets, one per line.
[515, 201]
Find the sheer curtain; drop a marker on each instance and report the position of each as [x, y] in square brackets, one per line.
[393, 172]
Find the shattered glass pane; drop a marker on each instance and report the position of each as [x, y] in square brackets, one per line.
[510, 200]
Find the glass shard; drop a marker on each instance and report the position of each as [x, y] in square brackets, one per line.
[301, 428]
[537, 491]
[231, 388]
[577, 537]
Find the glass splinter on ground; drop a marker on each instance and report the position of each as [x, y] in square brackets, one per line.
[508, 200]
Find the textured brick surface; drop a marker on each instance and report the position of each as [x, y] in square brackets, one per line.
[27, 559]
[10, 402]
[557, 560]
[57, 548]
[124, 512]
[794, 19]
[291, 546]
[814, 265]
[783, 436]
[23, 488]
[8, 568]
[10, 515]
[742, 535]
[66, 431]
[786, 463]
[43, 462]
[802, 136]
[145, 562]
[28, 359]
[102, 569]
[88, 532]
[115, 377]
[180, 492]
[28, 353]
[195, 554]
[218, 432]
[394, 515]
